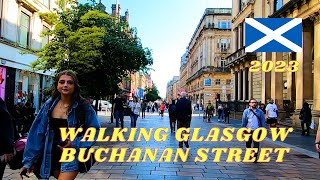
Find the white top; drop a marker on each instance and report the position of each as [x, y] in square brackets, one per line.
[135, 107]
[272, 108]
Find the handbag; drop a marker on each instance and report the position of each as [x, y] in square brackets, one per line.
[85, 166]
[16, 162]
[313, 125]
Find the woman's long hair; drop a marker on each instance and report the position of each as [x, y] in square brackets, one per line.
[76, 93]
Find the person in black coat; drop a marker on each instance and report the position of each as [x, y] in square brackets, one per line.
[184, 112]
[6, 137]
[172, 116]
[305, 117]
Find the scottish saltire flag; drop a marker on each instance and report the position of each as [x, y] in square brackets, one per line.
[273, 34]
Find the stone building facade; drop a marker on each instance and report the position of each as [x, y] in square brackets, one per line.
[209, 46]
[288, 89]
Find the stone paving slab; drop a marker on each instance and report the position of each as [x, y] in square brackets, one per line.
[295, 165]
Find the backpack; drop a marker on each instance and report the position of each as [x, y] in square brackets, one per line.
[173, 109]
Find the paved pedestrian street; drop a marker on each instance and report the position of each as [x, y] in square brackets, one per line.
[298, 164]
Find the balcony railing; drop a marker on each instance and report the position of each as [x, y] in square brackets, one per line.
[208, 69]
[237, 55]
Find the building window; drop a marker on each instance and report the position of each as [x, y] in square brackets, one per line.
[222, 63]
[224, 44]
[46, 3]
[217, 81]
[45, 38]
[24, 30]
[278, 4]
[223, 24]
[228, 81]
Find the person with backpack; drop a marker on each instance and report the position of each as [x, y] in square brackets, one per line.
[173, 116]
[305, 117]
[6, 137]
[253, 118]
[66, 108]
[209, 110]
[184, 112]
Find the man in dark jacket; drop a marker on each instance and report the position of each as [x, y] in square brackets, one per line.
[184, 112]
[6, 137]
[305, 117]
[172, 116]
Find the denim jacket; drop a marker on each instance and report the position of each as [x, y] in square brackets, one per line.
[259, 113]
[40, 138]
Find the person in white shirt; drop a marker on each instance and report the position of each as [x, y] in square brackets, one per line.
[135, 109]
[272, 114]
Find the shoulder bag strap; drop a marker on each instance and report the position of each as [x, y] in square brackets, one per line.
[260, 123]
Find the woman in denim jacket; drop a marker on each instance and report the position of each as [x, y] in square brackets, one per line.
[44, 145]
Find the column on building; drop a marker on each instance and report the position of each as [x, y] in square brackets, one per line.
[239, 84]
[277, 81]
[316, 95]
[250, 84]
[304, 75]
[235, 39]
[239, 36]
[245, 88]
[236, 88]
[243, 34]
[307, 60]
[266, 79]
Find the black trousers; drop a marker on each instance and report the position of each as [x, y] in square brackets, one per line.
[173, 121]
[183, 124]
[2, 168]
[308, 127]
[255, 144]
[226, 116]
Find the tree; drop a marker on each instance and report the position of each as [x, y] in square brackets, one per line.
[152, 94]
[100, 48]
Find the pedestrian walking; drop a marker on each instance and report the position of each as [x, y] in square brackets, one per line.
[66, 108]
[209, 110]
[220, 111]
[135, 109]
[226, 111]
[184, 112]
[305, 118]
[272, 114]
[173, 116]
[143, 109]
[28, 117]
[162, 108]
[118, 109]
[253, 118]
[7, 137]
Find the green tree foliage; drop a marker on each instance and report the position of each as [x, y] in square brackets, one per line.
[100, 48]
[152, 94]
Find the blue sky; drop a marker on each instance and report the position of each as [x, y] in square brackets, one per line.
[166, 27]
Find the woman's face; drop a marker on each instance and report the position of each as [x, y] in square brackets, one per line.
[66, 85]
